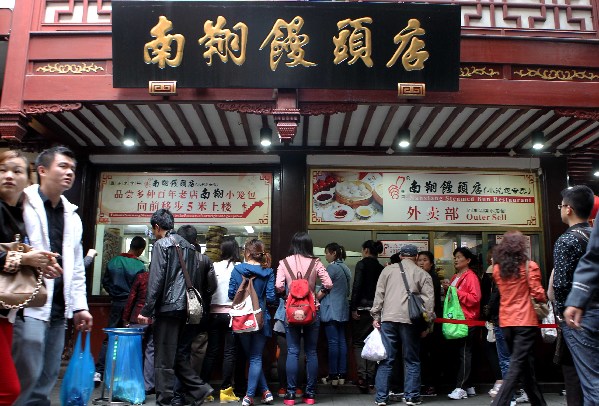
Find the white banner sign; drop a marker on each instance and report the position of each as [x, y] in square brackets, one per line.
[391, 247]
[424, 198]
[208, 198]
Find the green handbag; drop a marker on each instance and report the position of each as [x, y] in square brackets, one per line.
[453, 310]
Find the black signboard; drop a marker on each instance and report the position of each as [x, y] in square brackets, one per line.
[203, 44]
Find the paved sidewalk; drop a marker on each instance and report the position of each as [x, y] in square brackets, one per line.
[355, 399]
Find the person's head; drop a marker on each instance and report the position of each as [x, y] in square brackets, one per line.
[510, 254]
[137, 245]
[463, 258]
[334, 252]
[189, 233]
[301, 244]
[426, 260]
[371, 248]
[56, 169]
[577, 204]
[408, 251]
[394, 259]
[254, 250]
[229, 250]
[162, 222]
[14, 169]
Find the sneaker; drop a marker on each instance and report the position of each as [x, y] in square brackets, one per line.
[522, 398]
[267, 398]
[395, 396]
[335, 380]
[413, 401]
[227, 395]
[513, 403]
[209, 398]
[457, 394]
[281, 393]
[495, 390]
[308, 398]
[97, 379]
[289, 399]
[428, 391]
[470, 391]
[247, 401]
[299, 392]
[382, 403]
[341, 378]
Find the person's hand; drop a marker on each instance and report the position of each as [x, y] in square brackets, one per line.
[355, 315]
[143, 320]
[83, 320]
[38, 258]
[52, 271]
[91, 253]
[424, 333]
[376, 324]
[573, 316]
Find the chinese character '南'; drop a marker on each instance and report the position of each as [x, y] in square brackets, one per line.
[223, 42]
[357, 43]
[159, 50]
[414, 56]
[292, 44]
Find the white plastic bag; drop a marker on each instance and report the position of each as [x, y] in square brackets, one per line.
[550, 333]
[374, 350]
[490, 331]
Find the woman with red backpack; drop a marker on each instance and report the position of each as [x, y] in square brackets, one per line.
[297, 275]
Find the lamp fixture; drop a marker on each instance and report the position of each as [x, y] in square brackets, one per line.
[538, 139]
[129, 137]
[249, 229]
[265, 136]
[596, 169]
[403, 137]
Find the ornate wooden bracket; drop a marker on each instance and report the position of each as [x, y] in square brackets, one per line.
[286, 114]
[13, 126]
[581, 114]
[43, 108]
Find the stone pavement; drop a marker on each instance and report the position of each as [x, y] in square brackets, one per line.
[349, 397]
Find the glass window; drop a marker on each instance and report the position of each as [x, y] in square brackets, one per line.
[444, 243]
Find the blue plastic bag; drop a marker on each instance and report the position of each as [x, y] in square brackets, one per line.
[128, 365]
[78, 383]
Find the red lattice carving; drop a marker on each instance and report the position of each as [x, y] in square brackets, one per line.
[248, 108]
[101, 9]
[590, 114]
[43, 108]
[318, 109]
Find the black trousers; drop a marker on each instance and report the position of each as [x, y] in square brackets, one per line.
[172, 338]
[219, 332]
[520, 341]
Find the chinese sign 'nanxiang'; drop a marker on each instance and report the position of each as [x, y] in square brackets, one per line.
[424, 198]
[224, 198]
[285, 44]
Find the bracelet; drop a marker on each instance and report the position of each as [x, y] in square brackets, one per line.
[12, 262]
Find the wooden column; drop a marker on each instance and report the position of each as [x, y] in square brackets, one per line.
[553, 181]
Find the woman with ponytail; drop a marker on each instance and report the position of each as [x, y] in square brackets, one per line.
[256, 264]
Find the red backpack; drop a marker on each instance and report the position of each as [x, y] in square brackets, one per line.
[246, 314]
[300, 307]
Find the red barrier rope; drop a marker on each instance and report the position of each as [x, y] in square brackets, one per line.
[473, 323]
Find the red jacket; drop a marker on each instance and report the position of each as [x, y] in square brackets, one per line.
[515, 307]
[468, 288]
[136, 299]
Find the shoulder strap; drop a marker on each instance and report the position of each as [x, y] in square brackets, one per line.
[184, 267]
[405, 280]
[582, 237]
[289, 271]
[312, 263]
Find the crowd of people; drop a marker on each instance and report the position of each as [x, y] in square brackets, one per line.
[506, 296]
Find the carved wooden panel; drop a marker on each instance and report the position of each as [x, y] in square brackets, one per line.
[77, 12]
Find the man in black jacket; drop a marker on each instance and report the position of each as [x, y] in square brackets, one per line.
[166, 302]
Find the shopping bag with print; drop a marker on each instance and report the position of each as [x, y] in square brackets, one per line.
[453, 310]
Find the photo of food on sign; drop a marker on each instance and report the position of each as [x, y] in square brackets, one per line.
[347, 196]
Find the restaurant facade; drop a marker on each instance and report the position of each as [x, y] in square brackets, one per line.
[335, 87]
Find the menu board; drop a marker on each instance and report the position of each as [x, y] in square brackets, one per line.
[424, 198]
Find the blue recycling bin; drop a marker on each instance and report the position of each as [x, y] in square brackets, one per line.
[123, 373]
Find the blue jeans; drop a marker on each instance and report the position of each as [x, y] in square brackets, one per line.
[584, 347]
[294, 334]
[393, 335]
[335, 332]
[37, 349]
[253, 345]
[503, 352]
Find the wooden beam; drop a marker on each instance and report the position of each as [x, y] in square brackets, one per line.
[383, 130]
[427, 123]
[366, 124]
[446, 124]
[195, 139]
[202, 116]
[142, 119]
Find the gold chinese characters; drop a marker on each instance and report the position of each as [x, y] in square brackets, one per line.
[353, 43]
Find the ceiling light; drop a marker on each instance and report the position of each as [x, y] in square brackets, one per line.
[265, 136]
[403, 138]
[538, 139]
[249, 229]
[129, 137]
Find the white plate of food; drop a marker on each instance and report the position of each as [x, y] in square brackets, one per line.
[364, 212]
[339, 212]
[324, 197]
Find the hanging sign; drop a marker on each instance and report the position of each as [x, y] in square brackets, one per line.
[424, 198]
[228, 44]
[391, 247]
[207, 198]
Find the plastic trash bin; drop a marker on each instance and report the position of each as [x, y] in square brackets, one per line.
[123, 374]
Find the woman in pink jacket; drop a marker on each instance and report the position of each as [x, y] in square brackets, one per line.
[518, 280]
[302, 254]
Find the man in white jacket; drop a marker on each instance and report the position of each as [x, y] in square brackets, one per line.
[52, 225]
